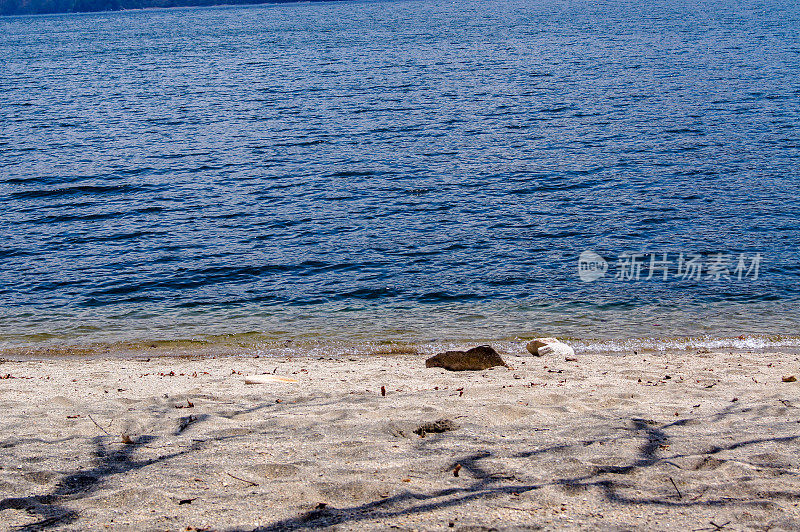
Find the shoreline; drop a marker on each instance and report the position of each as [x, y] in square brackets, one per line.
[667, 441]
[252, 344]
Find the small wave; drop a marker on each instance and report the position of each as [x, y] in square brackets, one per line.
[556, 109]
[82, 190]
[316, 267]
[351, 173]
[7, 253]
[663, 344]
[443, 297]
[114, 237]
[369, 294]
[186, 280]
[683, 130]
[81, 217]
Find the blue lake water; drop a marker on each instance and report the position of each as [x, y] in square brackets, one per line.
[402, 171]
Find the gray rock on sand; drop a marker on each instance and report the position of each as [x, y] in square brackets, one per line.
[401, 429]
[475, 359]
[435, 427]
[549, 346]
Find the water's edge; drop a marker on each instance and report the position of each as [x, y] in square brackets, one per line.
[252, 344]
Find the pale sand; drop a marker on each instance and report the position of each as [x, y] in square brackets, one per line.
[596, 443]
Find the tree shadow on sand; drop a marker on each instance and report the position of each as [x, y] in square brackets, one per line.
[81, 484]
[489, 485]
[109, 463]
[52, 511]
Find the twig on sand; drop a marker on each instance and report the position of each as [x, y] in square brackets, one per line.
[185, 422]
[680, 496]
[242, 479]
[518, 509]
[672, 464]
[98, 424]
[715, 525]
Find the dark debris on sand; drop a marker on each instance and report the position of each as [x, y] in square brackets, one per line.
[475, 359]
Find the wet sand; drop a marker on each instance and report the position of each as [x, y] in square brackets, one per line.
[691, 441]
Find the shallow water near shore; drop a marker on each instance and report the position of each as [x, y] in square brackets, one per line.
[358, 174]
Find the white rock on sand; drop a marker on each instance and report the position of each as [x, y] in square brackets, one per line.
[549, 346]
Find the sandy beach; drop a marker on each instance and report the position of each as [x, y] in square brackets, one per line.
[678, 441]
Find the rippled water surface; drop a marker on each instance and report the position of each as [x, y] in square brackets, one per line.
[407, 171]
